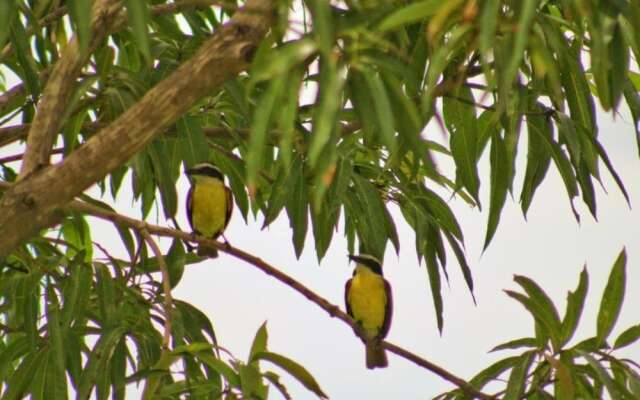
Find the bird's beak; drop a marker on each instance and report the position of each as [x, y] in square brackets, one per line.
[188, 171]
[353, 257]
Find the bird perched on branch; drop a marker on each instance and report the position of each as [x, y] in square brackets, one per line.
[369, 302]
[209, 204]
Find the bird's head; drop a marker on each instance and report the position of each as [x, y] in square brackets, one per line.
[368, 261]
[205, 170]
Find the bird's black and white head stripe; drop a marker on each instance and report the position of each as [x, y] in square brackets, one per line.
[205, 169]
[368, 261]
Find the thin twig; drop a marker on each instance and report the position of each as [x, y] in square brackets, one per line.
[18, 157]
[166, 285]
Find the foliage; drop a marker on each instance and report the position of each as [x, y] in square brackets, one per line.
[548, 367]
[333, 123]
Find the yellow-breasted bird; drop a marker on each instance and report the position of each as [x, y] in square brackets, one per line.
[369, 302]
[209, 204]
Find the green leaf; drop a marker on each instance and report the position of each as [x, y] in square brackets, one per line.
[516, 344]
[564, 371]
[223, 369]
[162, 154]
[251, 382]
[612, 298]
[234, 170]
[409, 14]
[629, 336]
[27, 63]
[275, 381]
[106, 291]
[323, 25]
[560, 159]
[262, 118]
[493, 371]
[616, 390]
[325, 118]
[436, 288]
[98, 359]
[294, 369]
[575, 305]
[193, 144]
[57, 386]
[439, 61]
[522, 34]
[282, 60]
[500, 167]
[175, 260]
[544, 304]
[20, 381]
[568, 133]
[517, 383]
[7, 17]
[607, 162]
[10, 353]
[541, 315]
[382, 109]
[460, 119]
[259, 342]
[538, 158]
[80, 13]
[462, 261]
[369, 214]
[138, 14]
[633, 101]
[488, 24]
[297, 207]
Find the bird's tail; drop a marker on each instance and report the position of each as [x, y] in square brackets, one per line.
[207, 251]
[376, 355]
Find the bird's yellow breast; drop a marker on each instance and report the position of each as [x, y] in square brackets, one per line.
[209, 206]
[368, 300]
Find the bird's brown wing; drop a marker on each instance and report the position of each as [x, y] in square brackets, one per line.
[347, 287]
[190, 207]
[388, 312]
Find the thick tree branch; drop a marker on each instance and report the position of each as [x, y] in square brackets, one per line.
[331, 309]
[50, 111]
[30, 204]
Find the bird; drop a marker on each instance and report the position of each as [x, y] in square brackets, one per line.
[369, 302]
[209, 204]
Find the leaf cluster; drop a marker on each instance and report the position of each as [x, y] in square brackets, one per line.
[548, 366]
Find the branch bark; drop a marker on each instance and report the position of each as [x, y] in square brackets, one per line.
[30, 204]
[50, 111]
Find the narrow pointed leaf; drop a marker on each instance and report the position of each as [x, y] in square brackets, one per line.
[517, 383]
[411, 13]
[460, 119]
[575, 305]
[629, 336]
[138, 14]
[611, 302]
[499, 185]
[294, 369]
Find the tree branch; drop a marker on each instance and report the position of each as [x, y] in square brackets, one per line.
[331, 309]
[161, 9]
[30, 204]
[59, 88]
